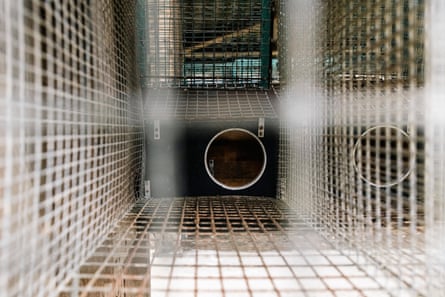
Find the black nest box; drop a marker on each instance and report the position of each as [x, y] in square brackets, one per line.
[211, 142]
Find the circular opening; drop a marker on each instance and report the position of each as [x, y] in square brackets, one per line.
[235, 159]
[382, 156]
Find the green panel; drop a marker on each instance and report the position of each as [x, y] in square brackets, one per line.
[266, 27]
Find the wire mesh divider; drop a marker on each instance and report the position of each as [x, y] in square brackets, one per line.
[209, 104]
[71, 149]
[207, 44]
[353, 162]
[435, 136]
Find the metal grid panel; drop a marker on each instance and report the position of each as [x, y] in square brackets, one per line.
[224, 246]
[70, 155]
[209, 104]
[207, 43]
[120, 266]
[435, 163]
[353, 141]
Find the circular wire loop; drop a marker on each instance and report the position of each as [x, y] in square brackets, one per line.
[210, 170]
[356, 147]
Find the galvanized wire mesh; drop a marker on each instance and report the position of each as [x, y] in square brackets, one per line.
[362, 141]
[353, 141]
[224, 246]
[435, 157]
[207, 43]
[209, 104]
[70, 154]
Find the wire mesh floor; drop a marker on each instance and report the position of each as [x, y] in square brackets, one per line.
[224, 246]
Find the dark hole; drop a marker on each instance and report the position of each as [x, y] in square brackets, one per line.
[235, 158]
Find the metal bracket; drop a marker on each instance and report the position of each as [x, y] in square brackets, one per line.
[157, 130]
[147, 188]
[261, 124]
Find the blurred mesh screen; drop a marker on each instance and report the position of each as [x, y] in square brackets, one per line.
[71, 149]
[359, 79]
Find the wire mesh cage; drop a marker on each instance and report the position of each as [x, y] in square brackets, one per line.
[211, 44]
[362, 141]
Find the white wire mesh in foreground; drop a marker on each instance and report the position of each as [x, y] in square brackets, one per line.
[359, 157]
[70, 153]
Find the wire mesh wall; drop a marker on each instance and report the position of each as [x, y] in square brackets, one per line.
[435, 166]
[71, 149]
[207, 43]
[354, 144]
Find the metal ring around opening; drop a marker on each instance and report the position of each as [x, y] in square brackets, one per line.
[255, 179]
